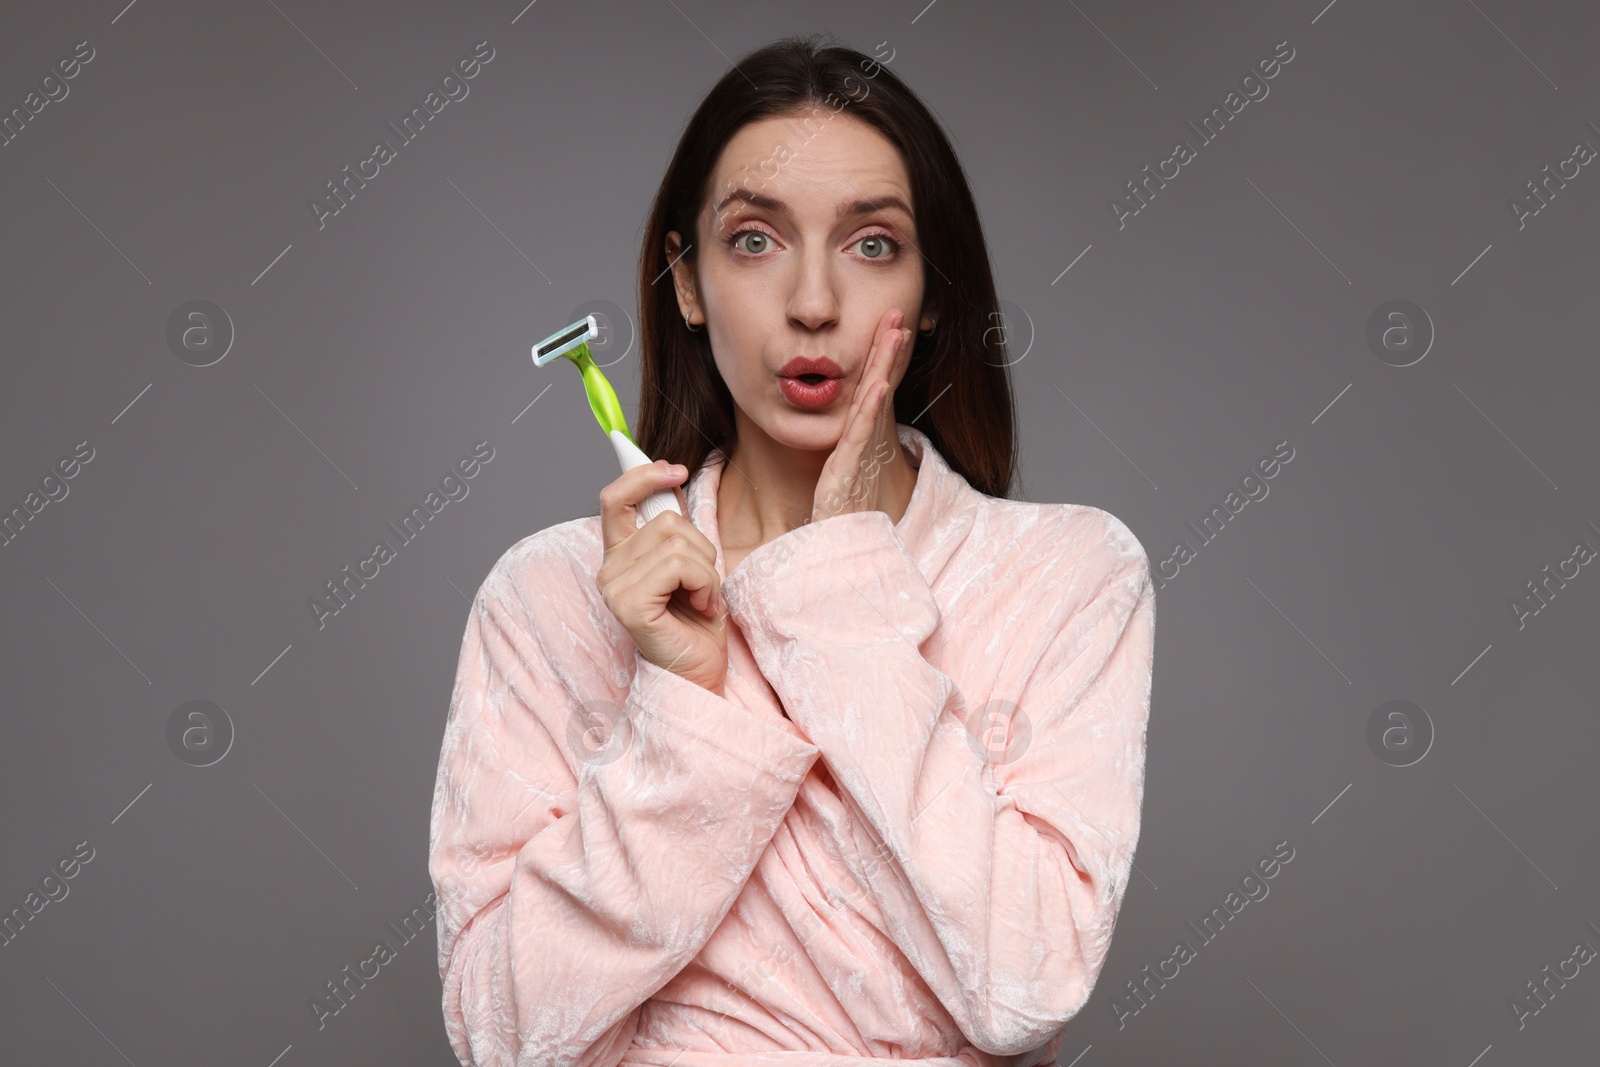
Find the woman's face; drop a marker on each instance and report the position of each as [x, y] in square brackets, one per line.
[792, 265]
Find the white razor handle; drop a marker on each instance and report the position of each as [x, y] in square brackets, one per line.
[629, 456]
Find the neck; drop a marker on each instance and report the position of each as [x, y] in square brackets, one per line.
[768, 489]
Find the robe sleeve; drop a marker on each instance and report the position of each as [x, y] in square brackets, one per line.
[1005, 820]
[575, 879]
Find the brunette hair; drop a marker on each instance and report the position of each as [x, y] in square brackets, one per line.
[956, 388]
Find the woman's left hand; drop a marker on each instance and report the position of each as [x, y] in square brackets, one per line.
[849, 480]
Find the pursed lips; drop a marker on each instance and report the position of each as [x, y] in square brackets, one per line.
[811, 369]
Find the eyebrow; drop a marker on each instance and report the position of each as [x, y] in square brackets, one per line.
[855, 207]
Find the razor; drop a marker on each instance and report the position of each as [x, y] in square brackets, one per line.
[573, 342]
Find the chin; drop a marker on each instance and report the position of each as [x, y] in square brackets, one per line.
[806, 431]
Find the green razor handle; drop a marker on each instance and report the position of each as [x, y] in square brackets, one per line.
[573, 342]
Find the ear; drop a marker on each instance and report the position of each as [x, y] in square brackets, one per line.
[683, 279]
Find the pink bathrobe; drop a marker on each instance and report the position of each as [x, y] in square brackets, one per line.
[905, 833]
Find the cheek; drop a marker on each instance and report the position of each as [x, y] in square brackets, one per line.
[744, 314]
[739, 367]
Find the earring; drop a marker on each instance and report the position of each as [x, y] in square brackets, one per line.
[691, 327]
[932, 325]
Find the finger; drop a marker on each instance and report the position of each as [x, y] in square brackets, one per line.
[874, 370]
[862, 428]
[620, 499]
[901, 359]
[714, 604]
[658, 579]
[885, 350]
[894, 359]
[883, 369]
[903, 353]
[895, 370]
[865, 416]
[895, 347]
[883, 428]
[667, 532]
[875, 351]
[670, 526]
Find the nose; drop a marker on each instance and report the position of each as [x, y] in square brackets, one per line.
[814, 304]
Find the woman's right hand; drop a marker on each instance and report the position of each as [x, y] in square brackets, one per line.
[660, 579]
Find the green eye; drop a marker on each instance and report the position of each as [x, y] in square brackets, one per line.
[877, 246]
[755, 235]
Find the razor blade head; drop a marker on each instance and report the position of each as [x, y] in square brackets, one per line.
[565, 340]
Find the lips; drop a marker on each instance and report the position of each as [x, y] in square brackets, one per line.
[811, 366]
[811, 382]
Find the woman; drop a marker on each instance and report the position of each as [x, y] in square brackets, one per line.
[845, 763]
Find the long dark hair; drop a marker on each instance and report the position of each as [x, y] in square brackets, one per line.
[956, 388]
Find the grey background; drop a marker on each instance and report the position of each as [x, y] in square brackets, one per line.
[1228, 315]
